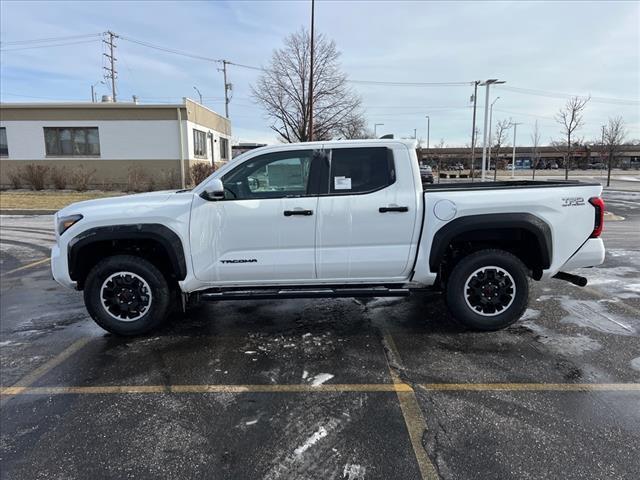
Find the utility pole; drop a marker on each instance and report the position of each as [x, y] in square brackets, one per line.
[313, 5]
[375, 129]
[513, 155]
[415, 133]
[198, 92]
[473, 128]
[486, 118]
[111, 69]
[227, 87]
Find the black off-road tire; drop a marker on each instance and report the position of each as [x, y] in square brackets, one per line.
[490, 272]
[159, 299]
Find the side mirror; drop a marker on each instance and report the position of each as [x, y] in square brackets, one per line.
[213, 191]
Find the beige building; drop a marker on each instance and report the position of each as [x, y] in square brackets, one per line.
[158, 143]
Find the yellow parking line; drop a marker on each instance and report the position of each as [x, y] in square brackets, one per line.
[28, 265]
[399, 388]
[533, 387]
[22, 385]
[129, 389]
[411, 413]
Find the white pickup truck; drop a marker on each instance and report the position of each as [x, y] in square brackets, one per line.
[326, 219]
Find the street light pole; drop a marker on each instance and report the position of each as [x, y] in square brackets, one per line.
[473, 129]
[375, 129]
[513, 155]
[199, 94]
[486, 83]
[490, 126]
[428, 129]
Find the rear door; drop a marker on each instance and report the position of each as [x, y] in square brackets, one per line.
[367, 216]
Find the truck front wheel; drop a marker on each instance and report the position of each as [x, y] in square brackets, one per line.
[127, 295]
[488, 290]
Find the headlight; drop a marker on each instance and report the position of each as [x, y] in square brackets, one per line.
[65, 223]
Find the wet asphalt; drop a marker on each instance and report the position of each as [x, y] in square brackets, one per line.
[467, 425]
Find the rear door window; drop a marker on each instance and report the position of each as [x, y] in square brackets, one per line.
[360, 170]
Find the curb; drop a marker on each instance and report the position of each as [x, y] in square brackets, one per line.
[26, 211]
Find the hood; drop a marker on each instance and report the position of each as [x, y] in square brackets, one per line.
[122, 205]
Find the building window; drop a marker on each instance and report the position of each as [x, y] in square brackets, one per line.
[4, 147]
[72, 141]
[199, 144]
[224, 148]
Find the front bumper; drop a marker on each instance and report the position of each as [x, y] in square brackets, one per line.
[60, 268]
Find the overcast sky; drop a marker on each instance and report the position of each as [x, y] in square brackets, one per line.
[549, 47]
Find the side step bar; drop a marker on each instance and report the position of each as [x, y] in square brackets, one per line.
[265, 294]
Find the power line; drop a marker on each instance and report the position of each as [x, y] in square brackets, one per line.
[50, 39]
[48, 46]
[543, 93]
[170, 50]
[411, 84]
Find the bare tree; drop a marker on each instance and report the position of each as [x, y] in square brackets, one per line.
[354, 127]
[570, 119]
[283, 90]
[614, 134]
[535, 141]
[502, 127]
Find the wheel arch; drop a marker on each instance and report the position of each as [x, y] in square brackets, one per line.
[150, 240]
[511, 231]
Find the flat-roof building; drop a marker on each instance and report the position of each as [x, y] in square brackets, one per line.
[117, 140]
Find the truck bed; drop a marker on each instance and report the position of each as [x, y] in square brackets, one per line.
[507, 184]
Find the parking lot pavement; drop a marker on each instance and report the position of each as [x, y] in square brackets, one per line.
[356, 389]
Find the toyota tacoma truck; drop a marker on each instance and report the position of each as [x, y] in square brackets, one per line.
[326, 219]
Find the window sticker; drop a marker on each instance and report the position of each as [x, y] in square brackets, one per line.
[342, 183]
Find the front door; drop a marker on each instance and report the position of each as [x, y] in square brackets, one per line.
[367, 220]
[264, 231]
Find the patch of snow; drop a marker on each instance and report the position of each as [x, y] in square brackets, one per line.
[311, 441]
[354, 472]
[530, 314]
[594, 315]
[5, 343]
[320, 378]
[566, 344]
[250, 352]
[251, 422]
[635, 364]
[305, 374]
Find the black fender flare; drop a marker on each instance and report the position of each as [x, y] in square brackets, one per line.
[506, 221]
[141, 231]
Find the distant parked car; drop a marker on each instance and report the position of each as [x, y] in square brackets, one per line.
[597, 166]
[426, 174]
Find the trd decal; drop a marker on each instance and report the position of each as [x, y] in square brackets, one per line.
[241, 260]
[573, 202]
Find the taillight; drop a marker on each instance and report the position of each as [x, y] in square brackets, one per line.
[598, 204]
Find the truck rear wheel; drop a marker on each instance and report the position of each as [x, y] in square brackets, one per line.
[488, 290]
[127, 295]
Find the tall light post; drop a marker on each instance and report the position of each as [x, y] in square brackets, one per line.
[93, 91]
[490, 125]
[428, 129]
[199, 94]
[513, 155]
[486, 83]
[375, 129]
[473, 129]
